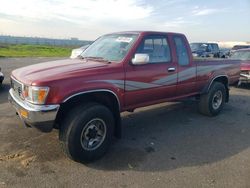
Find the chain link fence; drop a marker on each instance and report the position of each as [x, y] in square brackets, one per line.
[42, 41]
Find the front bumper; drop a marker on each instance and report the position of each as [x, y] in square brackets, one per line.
[244, 78]
[1, 77]
[39, 116]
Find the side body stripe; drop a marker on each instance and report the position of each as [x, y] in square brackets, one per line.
[129, 85]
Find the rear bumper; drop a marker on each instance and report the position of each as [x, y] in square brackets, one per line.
[39, 116]
[1, 77]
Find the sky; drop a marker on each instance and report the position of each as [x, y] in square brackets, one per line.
[200, 20]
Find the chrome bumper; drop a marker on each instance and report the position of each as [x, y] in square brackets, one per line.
[39, 116]
[245, 76]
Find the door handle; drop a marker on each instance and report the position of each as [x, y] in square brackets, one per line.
[171, 69]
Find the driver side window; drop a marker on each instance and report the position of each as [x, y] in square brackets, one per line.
[157, 48]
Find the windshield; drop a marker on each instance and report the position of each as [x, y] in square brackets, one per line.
[241, 55]
[198, 47]
[113, 47]
[214, 47]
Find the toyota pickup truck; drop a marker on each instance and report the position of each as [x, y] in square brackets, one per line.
[83, 97]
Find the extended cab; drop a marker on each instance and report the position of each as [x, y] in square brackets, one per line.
[119, 72]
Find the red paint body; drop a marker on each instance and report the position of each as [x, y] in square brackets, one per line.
[68, 77]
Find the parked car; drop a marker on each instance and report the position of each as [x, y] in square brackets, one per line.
[78, 51]
[205, 49]
[244, 56]
[84, 97]
[224, 52]
[1, 77]
[238, 47]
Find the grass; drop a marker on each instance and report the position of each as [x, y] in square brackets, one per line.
[25, 50]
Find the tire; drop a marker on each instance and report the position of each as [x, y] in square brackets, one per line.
[87, 132]
[211, 104]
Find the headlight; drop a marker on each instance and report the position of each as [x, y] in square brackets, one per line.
[34, 94]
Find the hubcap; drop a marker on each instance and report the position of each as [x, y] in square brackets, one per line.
[217, 100]
[93, 134]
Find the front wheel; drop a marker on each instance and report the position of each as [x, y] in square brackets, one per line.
[212, 103]
[87, 131]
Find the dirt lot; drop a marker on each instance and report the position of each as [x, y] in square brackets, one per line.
[167, 145]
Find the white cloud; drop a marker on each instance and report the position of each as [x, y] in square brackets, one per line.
[179, 22]
[75, 10]
[85, 19]
[88, 19]
[204, 12]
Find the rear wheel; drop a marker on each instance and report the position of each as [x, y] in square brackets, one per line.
[212, 103]
[87, 132]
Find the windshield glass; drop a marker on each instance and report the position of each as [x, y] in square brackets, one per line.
[198, 47]
[214, 47]
[113, 47]
[241, 55]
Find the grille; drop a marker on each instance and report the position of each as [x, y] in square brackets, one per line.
[245, 72]
[16, 86]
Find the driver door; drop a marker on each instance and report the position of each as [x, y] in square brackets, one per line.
[155, 80]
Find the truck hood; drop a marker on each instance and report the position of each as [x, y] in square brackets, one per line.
[54, 70]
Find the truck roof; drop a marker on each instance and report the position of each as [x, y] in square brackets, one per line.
[204, 43]
[145, 32]
[243, 50]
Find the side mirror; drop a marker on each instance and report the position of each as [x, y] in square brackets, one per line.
[140, 59]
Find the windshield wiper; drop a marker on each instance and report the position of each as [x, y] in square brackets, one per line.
[101, 59]
[93, 57]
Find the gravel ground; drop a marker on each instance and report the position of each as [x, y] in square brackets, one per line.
[166, 145]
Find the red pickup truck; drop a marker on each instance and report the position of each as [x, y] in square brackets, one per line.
[244, 56]
[119, 72]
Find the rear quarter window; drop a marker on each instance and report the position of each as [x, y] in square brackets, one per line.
[181, 51]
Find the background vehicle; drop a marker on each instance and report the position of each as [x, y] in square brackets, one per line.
[1, 77]
[205, 49]
[224, 52]
[78, 51]
[119, 72]
[244, 56]
[238, 47]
